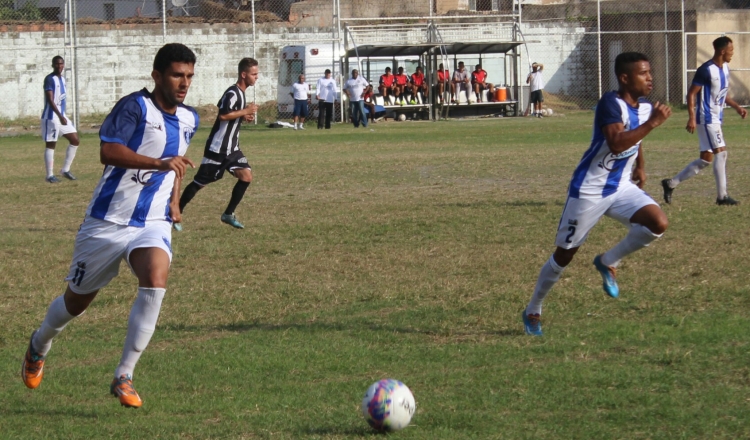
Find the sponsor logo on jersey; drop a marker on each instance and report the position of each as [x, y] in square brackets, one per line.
[143, 177]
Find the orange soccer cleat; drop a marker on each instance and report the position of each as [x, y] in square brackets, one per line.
[32, 369]
[122, 388]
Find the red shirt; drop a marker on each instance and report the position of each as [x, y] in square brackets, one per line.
[402, 79]
[479, 76]
[386, 80]
[444, 75]
[367, 95]
[417, 79]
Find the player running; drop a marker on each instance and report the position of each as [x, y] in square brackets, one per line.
[54, 122]
[143, 143]
[606, 183]
[706, 113]
[222, 152]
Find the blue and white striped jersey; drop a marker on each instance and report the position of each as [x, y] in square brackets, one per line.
[709, 103]
[133, 197]
[601, 173]
[55, 84]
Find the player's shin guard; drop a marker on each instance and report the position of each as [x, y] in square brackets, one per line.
[691, 170]
[141, 326]
[237, 193]
[70, 154]
[54, 322]
[187, 195]
[638, 237]
[720, 173]
[548, 276]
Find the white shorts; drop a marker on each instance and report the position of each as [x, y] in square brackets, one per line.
[52, 129]
[101, 245]
[710, 137]
[580, 215]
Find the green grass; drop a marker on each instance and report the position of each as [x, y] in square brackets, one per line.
[406, 252]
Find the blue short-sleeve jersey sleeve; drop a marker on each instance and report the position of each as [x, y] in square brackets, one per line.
[123, 121]
[702, 76]
[49, 83]
[608, 111]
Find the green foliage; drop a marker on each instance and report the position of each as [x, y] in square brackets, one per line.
[28, 12]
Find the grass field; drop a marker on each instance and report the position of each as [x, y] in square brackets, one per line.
[409, 252]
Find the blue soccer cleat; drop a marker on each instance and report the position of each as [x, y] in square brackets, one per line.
[231, 220]
[609, 284]
[532, 324]
[68, 175]
[177, 227]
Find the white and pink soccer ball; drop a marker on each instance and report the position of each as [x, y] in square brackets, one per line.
[388, 405]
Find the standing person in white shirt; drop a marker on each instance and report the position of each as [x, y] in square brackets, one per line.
[54, 122]
[536, 82]
[143, 144]
[705, 99]
[355, 91]
[301, 94]
[326, 94]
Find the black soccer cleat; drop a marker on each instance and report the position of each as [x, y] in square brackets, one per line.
[668, 190]
[727, 201]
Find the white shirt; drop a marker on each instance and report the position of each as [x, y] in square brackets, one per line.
[709, 103]
[537, 82]
[300, 91]
[356, 88]
[327, 89]
[601, 173]
[133, 197]
[55, 84]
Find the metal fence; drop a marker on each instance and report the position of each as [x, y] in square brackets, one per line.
[109, 44]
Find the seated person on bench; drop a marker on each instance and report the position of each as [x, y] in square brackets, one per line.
[418, 84]
[402, 85]
[369, 99]
[443, 79]
[461, 82]
[479, 84]
[387, 87]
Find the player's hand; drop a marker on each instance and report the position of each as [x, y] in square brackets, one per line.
[249, 118]
[64, 121]
[742, 112]
[174, 212]
[690, 125]
[178, 164]
[659, 114]
[639, 177]
[251, 109]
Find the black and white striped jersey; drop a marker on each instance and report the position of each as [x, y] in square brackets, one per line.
[224, 137]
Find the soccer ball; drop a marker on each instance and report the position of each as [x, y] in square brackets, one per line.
[549, 112]
[388, 405]
[544, 112]
[402, 117]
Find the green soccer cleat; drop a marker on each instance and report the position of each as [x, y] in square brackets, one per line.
[231, 220]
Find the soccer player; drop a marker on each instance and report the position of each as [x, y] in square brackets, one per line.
[461, 82]
[387, 86]
[355, 90]
[443, 77]
[301, 94]
[222, 151]
[54, 122]
[418, 84]
[536, 83]
[402, 85]
[710, 87]
[143, 145]
[326, 94]
[606, 183]
[479, 83]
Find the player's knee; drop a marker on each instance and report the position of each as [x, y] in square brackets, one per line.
[155, 278]
[658, 225]
[76, 303]
[563, 256]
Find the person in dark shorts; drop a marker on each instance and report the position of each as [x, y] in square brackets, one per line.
[536, 85]
[301, 94]
[222, 152]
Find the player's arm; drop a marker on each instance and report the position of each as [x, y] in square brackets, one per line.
[639, 170]
[619, 140]
[119, 155]
[691, 95]
[49, 95]
[732, 103]
[249, 110]
[174, 202]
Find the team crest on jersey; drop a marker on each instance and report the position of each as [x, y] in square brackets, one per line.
[156, 125]
[142, 177]
[187, 134]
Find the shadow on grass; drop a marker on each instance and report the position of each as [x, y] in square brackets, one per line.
[499, 204]
[361, 431]
[36, 412]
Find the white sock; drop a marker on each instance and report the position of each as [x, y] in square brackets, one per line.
[296, 125]
[720, 173]
[49, 161]
[638, 237]
[70, 154]
[54, 322]
[691, 170]
[141, 326]
[301, 124]
[548, 276]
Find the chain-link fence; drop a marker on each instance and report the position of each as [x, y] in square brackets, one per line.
[109, 44]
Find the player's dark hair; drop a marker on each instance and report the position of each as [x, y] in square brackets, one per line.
[327, 71]
[721, 43]
[172, 53]
[245, 64]
[625, 61]
[57, 58]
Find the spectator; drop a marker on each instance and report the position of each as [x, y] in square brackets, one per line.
[301, 94]
[326, 95]
[355, 91]
[418, 84]
[461, 82]
[369, 102]
[387, 87]
[536, 82]
[402, 85]
[479, 83]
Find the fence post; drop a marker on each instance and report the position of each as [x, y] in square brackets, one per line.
[74, 68]
[666, 48]
[252, 8]
[164, 21]
[599, 41]
[684, 57]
